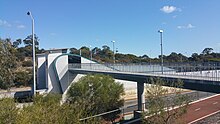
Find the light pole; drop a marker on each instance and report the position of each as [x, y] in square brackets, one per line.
[33, 47]
[161, 44]
[113, 42]
[80, 52]
[90, 47]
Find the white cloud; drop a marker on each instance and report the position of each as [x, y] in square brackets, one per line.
[4, 23]
[189, 26]
[169, 9]
[20, 26]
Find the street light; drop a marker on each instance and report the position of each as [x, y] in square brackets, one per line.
[161, 44]
[113, 51]
[34, 76]
[90, 48]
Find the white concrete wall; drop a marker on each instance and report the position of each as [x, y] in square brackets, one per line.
[47, 76]
[53, 85]
[62, 65]
[62, 71]
[84, 60]
[88, 64]
[41, 71]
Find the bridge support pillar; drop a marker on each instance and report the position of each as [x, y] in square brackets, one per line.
[141, 99]
[140, 96]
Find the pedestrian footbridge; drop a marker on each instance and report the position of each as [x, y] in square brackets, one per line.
[58, 70]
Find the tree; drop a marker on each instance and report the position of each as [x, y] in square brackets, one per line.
[105, 47]
[28, 41]
[8, 64]
[99, 94]
[73, 51]
[195, 57]
[17, 43]
[161, 110]
[207, 51]
[96, 50]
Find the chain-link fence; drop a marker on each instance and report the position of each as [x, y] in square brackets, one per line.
[204, 71]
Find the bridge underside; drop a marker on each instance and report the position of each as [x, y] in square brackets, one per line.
[199, 85]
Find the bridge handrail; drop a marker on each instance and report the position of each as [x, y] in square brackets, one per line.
[203, 72]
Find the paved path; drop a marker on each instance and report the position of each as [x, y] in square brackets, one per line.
[202, 109]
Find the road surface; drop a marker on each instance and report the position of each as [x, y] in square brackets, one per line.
[202, 109]
[131, 105]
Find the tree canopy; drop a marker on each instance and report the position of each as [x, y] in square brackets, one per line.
[105, 55]
[8, 64]
[16, 61]
[99, 93]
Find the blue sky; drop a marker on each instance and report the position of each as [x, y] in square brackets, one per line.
[189, 25]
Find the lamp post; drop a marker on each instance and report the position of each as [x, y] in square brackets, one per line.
[161, 44]
[80, 52]
[33, 47]
[90, 47]
[113, 42]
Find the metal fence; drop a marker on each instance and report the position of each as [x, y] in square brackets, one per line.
[199, 71]
[127, 112]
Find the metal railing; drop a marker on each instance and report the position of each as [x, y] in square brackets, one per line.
[127, 112]
[204, 72]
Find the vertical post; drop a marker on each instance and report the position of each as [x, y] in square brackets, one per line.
[141, 100]
[161, 44]
[90, 49]
[33, 47]
[140, 95]
[33, 40]
[113, 51]
[91, 53]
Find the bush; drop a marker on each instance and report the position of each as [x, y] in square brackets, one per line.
[8, 111]
[22, 78]
[48, 110]
[98, 93]
[45, 109]
[27, 63]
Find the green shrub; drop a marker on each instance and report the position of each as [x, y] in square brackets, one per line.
[8, 111]
[98, 94]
